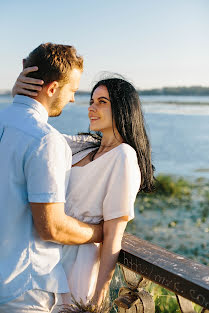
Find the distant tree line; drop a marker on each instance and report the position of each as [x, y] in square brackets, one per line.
[172, 91]
[177, 91]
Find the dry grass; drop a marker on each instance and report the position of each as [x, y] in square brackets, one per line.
[80, 307]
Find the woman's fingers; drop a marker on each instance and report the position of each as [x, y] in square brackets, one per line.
[24, 92]
[29, 70]
[29, 80]
[27, 86]
[23, 78]
[26, 89]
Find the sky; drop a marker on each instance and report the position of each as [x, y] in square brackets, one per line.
[152, 43]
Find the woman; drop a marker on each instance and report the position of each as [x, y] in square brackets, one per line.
[107, 173]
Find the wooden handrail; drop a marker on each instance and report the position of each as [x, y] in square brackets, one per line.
[183, 276]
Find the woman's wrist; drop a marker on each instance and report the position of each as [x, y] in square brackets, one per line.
[98, 233]
[100, 294]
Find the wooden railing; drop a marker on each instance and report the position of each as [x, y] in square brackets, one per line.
[187, 279]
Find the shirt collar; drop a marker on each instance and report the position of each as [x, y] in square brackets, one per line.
[37, 106]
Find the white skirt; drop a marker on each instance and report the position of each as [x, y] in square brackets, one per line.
[81, 265]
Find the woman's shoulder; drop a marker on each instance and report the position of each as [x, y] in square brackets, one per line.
[126, 151]
[126, 158]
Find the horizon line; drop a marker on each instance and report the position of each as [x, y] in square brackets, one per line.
[8, 91]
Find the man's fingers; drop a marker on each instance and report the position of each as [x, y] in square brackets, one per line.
[28, 86]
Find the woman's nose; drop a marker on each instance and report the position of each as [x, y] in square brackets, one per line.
[92, 107]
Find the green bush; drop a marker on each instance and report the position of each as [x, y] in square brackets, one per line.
[171, 186]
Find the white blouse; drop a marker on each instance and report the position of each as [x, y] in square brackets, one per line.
[105, 188]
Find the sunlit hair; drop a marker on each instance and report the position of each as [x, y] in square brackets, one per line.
[54, 62]
[129, 121]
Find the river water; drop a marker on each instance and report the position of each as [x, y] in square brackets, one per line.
[178, 127]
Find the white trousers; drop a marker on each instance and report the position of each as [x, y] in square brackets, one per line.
[34, 301]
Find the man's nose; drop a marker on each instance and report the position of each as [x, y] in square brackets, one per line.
[72, 99]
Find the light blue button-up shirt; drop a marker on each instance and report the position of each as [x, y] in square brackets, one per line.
[35, 162]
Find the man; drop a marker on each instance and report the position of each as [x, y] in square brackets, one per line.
[35, 164]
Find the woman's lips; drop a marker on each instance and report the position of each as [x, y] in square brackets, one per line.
[93, 119]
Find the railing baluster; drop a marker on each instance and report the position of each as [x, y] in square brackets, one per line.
[185, 305]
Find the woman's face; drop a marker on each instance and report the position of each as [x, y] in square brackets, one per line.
[100, 113]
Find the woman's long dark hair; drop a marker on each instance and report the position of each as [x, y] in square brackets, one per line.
[129, 121]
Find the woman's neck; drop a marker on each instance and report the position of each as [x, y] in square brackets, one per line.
[110, 141]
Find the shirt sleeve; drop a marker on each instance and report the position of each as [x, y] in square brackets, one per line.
[47, 168]
[78, 142]
[72, 141]
[122, 189]
[81, 145]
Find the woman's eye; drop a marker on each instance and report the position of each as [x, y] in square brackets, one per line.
[97, 102]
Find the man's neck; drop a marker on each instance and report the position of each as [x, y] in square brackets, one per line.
[41, 99]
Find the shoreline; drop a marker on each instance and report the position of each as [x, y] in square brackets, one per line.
[175, 217]
[192, 91]
[152, 99]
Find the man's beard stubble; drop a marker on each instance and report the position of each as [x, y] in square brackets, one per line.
[56, 108]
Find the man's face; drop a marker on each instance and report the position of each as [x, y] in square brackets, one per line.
[66, 93]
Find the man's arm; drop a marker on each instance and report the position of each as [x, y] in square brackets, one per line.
[52, 224]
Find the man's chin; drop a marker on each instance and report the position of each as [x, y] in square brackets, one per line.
[54, 114]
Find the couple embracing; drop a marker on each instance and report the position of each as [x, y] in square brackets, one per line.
[65, 200]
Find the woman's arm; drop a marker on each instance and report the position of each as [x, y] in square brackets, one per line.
[113, 234]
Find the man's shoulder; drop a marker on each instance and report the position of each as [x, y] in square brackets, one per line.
[32, 133]
[41, 129]
[48, 132]
[27, 124]
[47, 135]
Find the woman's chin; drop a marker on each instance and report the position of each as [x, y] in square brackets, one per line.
[95, 129]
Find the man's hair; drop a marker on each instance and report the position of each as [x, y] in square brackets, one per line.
[55, 62]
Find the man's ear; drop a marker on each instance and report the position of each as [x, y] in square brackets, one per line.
[51, 88]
